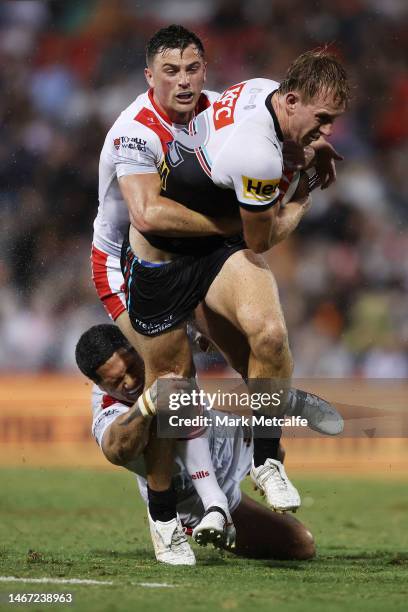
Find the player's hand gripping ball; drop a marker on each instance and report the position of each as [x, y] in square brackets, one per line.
[298, 189]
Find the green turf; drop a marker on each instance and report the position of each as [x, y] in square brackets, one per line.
[88, 524]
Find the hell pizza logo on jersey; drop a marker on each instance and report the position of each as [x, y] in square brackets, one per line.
[126, 142]
[260, 190]
[223, 109]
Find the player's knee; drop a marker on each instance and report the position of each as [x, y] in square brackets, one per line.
[300, 545]
[270, 344]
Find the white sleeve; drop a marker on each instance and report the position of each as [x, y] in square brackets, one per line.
[133, 149]
[104, 417]
[252, 166]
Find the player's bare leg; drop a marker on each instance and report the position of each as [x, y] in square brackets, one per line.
[268, 471]
[245, 293]
[262, 534]
[125, 326]
[170, 353]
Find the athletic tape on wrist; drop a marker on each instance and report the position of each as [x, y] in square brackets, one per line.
[146, 406]
[149, 400]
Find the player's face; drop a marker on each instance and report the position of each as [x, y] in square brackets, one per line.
[177, 78]
[308, 121]
[122, 376]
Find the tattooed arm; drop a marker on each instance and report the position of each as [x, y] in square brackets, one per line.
[126, 437]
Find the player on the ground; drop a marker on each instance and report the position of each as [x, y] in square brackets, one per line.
[229, 160]
[122, 430]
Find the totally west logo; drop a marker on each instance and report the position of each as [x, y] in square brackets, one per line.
[126, 142]
[261, 190]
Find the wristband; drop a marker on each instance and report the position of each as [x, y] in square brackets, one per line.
[146, 405]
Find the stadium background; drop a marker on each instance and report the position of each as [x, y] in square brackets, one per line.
[66, 70]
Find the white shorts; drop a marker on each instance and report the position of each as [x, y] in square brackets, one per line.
[232, 459]
[108, 280]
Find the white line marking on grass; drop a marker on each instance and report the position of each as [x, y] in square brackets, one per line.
[54, 580]
[153, 585]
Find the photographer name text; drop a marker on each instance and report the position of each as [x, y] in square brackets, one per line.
[235, 420]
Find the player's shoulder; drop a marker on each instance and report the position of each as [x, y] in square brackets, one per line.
[261, 83]
[208, 97]
[102, 401]
[132, 131]
[130, 118]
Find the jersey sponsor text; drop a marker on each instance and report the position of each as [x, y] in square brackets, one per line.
[261, 190]
[223, 109]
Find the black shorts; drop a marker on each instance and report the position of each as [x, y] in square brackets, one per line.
[159, 297]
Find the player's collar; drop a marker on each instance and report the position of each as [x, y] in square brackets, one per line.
[202, 104]
[268, 104]
[163, 115]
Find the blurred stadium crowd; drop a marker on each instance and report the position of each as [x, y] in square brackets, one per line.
[68, 68]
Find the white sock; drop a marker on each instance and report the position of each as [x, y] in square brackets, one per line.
[195, 454]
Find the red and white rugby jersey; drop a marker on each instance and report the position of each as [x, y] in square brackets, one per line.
[135, 144]
[238, 143]
[105, 409]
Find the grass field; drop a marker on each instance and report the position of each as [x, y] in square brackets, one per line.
[90, 525]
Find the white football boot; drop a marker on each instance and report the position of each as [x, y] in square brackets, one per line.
[271, 479]
[216, 527]
[320, 415]
[170, 542]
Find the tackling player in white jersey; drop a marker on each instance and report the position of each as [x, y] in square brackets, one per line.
[104, 355]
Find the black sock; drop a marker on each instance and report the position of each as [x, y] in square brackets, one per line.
[266, 448]
[162, 504]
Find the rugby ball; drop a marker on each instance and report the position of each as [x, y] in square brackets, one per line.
[299, 181]
[292, 187]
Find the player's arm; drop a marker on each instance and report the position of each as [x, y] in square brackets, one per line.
[126, 437]
[265, 228]
[127, 434]
[152, 213]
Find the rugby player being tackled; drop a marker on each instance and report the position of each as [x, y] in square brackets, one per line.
[132, 172]
[228, 163]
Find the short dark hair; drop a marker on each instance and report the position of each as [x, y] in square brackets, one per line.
[96, 346]
[316, 72]
[172, 37]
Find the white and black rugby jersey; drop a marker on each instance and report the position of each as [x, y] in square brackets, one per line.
[230, 156]
[236, 144]
[135, 144]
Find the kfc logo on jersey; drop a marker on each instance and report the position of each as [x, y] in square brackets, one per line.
[223, 114]
[261, 190]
